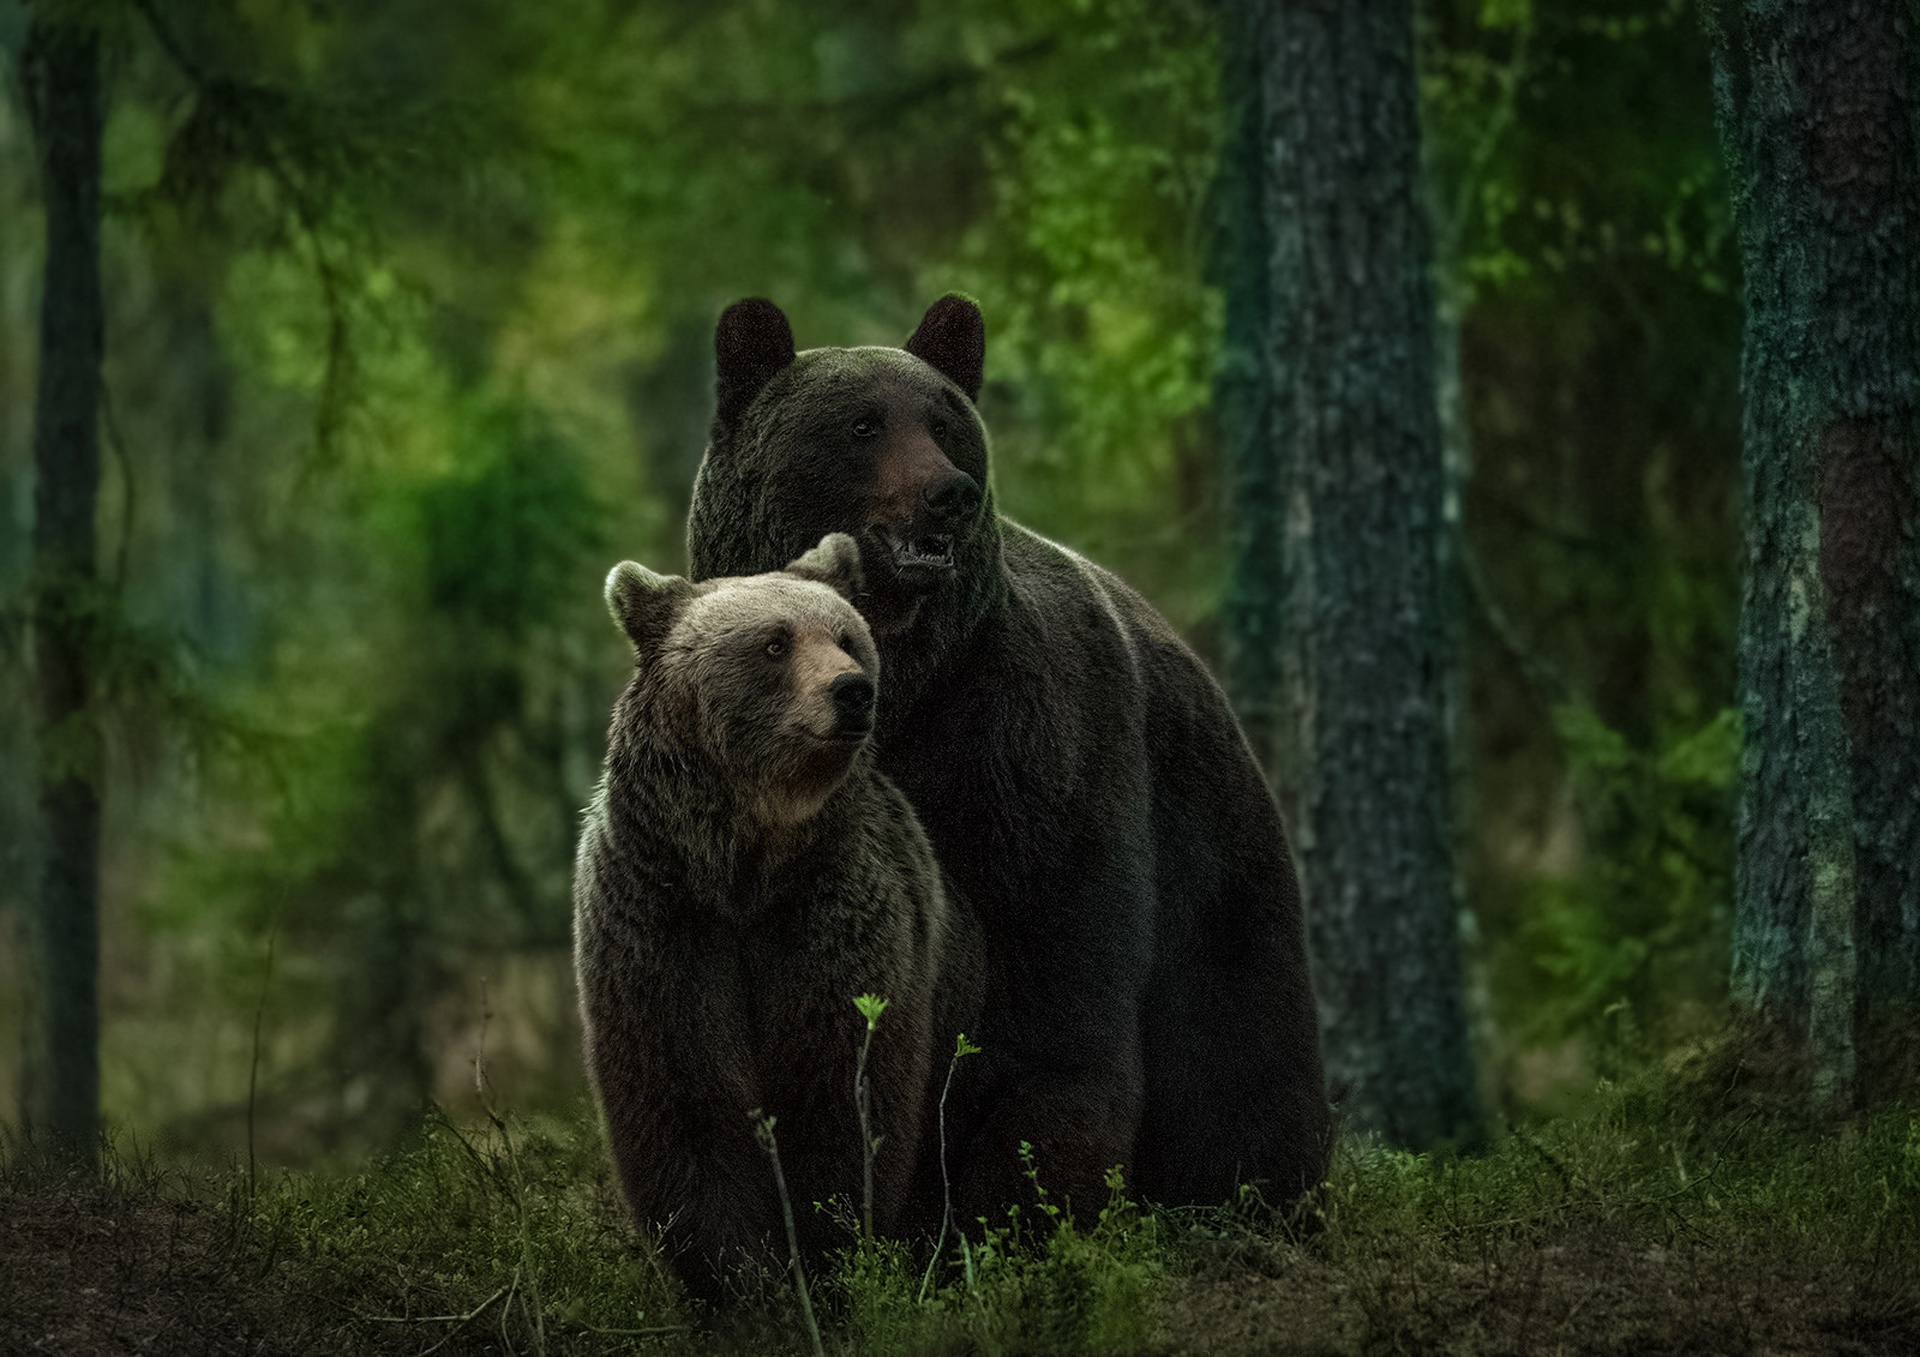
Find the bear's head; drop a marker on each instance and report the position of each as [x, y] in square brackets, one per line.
[766, 683]
[879, 443]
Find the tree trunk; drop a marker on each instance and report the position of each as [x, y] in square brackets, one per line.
[1816, 108]
[1241, 250]
[1350, 518]
[61, 1087]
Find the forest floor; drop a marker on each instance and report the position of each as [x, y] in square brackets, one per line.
[1665, 1221]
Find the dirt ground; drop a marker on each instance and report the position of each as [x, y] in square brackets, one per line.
[87, 1271]
[1581, 1294]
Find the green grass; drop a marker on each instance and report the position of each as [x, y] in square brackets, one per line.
[1672, 1219]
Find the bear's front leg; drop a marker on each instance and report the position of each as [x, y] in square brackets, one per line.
[689, 1165]
[673, 1072]
[1061, 1067]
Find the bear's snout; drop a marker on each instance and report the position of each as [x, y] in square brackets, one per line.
[950, 499]
[922, 503]
[853, 699]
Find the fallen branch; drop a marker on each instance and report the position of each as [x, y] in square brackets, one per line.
[458, 1322]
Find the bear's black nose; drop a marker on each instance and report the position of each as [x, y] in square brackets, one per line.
[952, 497]
[853, 703]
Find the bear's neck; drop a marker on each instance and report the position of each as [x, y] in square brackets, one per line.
[682, 824]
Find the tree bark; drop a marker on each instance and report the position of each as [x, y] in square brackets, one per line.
[61, 1085]
[1347, 515]
[1240, 254]
[1816, 108]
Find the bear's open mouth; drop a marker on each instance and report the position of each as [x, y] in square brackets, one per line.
[918, 562]
[934, 550]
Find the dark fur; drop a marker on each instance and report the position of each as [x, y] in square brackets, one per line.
[719, 946]
[1083, 783]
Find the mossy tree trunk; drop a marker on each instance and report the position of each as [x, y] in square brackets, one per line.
[1816, 107]
[1337, 605]
[61, 1087]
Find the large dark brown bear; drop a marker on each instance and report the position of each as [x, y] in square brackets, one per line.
[743, 874]
[1079, 772]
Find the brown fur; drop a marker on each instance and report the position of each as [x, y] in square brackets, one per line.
[742, 875]
[1074, 764]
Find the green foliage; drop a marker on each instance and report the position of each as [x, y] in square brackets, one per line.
[508, 533]
[1104, 335]
[1040, 1282]
[420, 800]
[1587, 262]
[1643, 927]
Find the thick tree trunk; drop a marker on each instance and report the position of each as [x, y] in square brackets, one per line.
[1352, 507]
[1816, 106]
[1241, 252]
[62, 1077]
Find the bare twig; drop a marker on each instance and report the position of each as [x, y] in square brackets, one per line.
[630, 1333]
[763, 1132]
[508, 1291]
[467, 1318]
[961, 1049]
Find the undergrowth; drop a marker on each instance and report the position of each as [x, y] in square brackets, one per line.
[1671, 1219]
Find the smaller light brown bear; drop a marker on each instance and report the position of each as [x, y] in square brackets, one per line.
[743, 874]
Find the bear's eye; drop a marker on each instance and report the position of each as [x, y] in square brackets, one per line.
[863, 428]
[776, 647]
[940, 429]
[846, 641]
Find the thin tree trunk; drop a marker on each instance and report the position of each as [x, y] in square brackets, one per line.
[1356, 441]
[62, 1079]
[1816, 108]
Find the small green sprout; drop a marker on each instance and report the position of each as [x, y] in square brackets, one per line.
[871, 1006]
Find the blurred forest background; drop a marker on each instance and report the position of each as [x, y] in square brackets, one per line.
[409, 318]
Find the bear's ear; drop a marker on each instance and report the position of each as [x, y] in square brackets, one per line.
[644, 603]
[751, 345]
[952, 339]
[835, 563]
